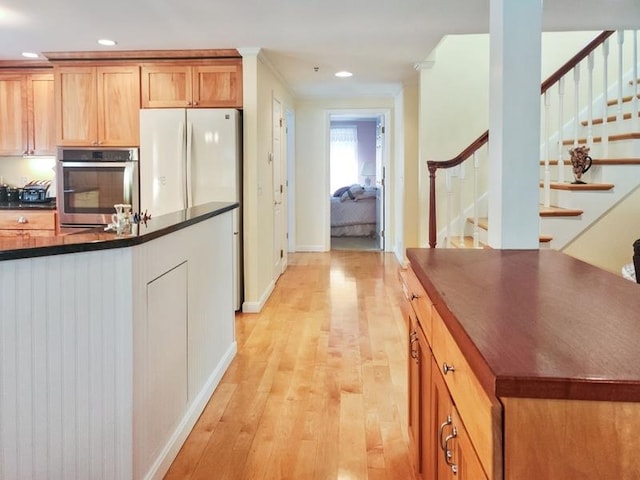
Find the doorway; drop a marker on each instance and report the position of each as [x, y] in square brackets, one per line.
[356, 180]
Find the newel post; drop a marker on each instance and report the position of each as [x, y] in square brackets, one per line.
[432, 167]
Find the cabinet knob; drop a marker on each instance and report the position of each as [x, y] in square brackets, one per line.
[195, 104]
[447, 368]
[23, 220]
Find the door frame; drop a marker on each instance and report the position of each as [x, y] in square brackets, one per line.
[360, 113]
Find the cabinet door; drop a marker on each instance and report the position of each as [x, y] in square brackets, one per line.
[40, 101]
[441, 425]
[413, 375]
[166, 86]
[76, 109]
[13, 115]
[218, 85]
[455, 456]
[118, 97]
[428, 447]
[464, 455]
[166, 356]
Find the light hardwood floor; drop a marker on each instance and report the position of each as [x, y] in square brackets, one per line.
[318, 389]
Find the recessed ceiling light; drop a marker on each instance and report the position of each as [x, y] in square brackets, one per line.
[106, 42]
[30, 55]
[343, 74]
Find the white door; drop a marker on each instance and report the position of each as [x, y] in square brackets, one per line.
[162, 152]
[380, 180]
[278, 190]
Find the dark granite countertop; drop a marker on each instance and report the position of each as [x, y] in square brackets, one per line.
[537, 323]
[88, 239]
[28, 206]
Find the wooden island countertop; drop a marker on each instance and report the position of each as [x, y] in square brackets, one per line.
[537, 323]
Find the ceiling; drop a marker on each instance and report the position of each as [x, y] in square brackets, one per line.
[379, 41]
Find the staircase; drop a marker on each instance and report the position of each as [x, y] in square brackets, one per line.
[613, 136]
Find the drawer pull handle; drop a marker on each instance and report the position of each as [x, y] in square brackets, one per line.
[447, 368]
[414, 296]
[414, 352]
[448, 455]
[23, 220]
[441, 430]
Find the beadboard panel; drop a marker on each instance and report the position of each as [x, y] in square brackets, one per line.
[66, 371]
[204, 250]
[79, 356]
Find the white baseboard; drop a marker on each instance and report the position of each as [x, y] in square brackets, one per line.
[310, 248]
[256, 307]
[171, 449]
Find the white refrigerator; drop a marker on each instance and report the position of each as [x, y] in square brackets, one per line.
[189, 157]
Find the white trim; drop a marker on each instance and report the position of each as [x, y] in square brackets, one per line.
[256, 307]
[171, 449]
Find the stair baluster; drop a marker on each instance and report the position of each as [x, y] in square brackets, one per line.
[449, 188]
[619, 116]
[461, 215]
[547, 154]
[590, 100]
[605, 98]
[576, 101]
[560, 130]
[634, 90]
[476, 229]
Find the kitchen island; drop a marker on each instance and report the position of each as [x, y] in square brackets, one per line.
[538, 355]
[111, 345]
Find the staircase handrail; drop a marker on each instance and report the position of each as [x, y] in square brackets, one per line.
[434, 165]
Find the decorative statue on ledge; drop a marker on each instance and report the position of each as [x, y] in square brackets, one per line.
[581, 162]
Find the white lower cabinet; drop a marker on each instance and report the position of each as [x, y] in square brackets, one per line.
[167, 354]
[108, 357]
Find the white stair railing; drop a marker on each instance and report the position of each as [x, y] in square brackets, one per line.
[580, 102]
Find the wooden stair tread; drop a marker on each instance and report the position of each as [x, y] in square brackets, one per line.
[580, 187]
[467, 242]
[612, 138]
[610, 119]
[552, 211]
[625, 99]
[602, 161]
[483, 223]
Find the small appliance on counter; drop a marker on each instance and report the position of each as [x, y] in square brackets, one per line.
[36, 191]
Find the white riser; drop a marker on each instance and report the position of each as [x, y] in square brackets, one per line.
[593, 203]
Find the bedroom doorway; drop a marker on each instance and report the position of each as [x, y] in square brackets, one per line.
[356, 178]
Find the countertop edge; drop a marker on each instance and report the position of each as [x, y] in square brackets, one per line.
[164, 224]
[522, 386]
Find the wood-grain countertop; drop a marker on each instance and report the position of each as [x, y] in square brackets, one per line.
[537, 323]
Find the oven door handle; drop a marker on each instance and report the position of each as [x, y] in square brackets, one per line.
[95, 164]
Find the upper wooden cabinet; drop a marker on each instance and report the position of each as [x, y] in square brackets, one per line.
[97, 105]
[27, 114]
[218, 83]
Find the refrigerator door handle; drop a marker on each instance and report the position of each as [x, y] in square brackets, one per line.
[189, 164]
[181, 156]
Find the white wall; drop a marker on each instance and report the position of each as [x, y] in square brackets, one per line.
[15, 170]
[260, 86]
[312, 160]
[608, 243]
[454, 96]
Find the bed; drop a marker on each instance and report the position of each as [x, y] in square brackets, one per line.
[353, 212]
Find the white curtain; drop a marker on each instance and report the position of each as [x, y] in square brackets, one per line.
[343, 157]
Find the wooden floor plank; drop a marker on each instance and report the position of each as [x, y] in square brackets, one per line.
[318, 389]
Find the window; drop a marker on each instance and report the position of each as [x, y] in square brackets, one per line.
[343, 156]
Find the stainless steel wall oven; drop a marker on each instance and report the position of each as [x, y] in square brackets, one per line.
[91, 181]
